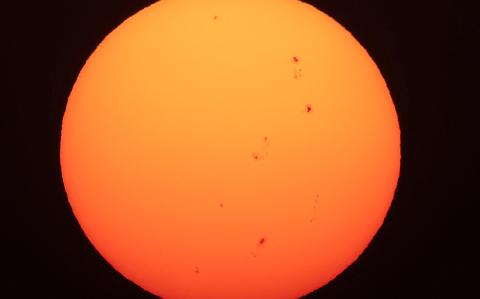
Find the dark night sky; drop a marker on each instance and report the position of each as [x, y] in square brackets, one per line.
[421, 47]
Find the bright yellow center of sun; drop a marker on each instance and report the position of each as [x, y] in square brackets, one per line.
[230, 149]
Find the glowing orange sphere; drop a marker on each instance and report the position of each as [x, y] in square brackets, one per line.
[230, 149]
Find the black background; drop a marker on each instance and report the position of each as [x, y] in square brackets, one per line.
[422, 250]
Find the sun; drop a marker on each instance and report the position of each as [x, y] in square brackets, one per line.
[230, 149]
